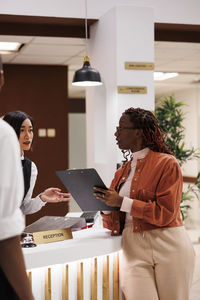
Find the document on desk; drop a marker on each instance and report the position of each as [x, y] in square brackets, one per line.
[80, 183]
[55, 222]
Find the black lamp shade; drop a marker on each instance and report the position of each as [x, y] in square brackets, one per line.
[86, 76]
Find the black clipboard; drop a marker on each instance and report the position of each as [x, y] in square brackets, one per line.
[80, 183]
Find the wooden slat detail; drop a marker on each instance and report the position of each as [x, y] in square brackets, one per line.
[106, 278]
[29, 274]
[80, 281]
[94, 279]
[116, 276]
[48, 284]
[65, 283]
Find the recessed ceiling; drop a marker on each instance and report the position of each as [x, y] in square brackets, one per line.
[183, 58]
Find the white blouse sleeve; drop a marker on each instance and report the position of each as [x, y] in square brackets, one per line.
[127, 204]
[31, 205]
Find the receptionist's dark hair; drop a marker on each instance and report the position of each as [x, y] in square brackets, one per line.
[16, 118]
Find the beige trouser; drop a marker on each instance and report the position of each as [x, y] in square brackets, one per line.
[157, 264]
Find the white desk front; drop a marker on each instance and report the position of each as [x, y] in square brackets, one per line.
[83, 268]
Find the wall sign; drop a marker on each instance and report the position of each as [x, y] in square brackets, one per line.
[132, 89]
[139, 66]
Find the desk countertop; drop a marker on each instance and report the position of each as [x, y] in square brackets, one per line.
[86, 243]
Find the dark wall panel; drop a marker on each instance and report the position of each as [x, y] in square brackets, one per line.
[44, 26]
[41, 91]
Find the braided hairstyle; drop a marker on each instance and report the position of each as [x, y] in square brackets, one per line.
[153, 135]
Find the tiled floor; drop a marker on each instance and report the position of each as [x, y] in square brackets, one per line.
[195, 291]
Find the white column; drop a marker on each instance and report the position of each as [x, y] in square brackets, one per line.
[124, 33]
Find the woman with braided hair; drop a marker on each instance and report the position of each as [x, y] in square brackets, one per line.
[157, 258]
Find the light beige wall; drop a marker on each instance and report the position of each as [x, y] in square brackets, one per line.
[77, 140]
[191, 97]
[77, 146]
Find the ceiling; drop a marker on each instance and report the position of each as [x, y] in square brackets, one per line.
[169, 57]
[183, 58]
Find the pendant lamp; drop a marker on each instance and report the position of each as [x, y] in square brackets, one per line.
[86, 76]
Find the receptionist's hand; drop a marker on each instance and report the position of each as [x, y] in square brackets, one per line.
[110, 196]
[54, 195]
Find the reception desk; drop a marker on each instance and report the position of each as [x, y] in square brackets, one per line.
[83, 268]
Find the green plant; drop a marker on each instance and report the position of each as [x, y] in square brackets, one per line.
[170, 117]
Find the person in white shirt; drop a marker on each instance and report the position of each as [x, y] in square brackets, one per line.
[23, 126]
[14, 282]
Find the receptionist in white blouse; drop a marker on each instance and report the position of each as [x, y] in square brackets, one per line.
[24, 128]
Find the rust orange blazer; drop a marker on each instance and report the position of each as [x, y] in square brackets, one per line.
[156, 189]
